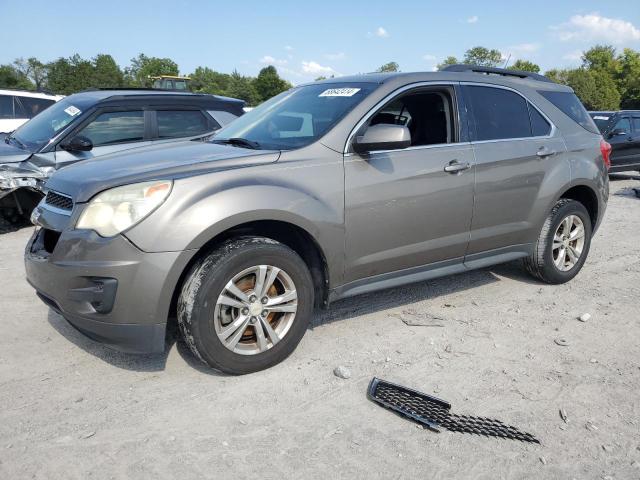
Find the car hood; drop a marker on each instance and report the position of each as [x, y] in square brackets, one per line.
[85, 179]
[11, 153]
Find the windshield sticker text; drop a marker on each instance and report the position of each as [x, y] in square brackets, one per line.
[597, 117]
[339, 92]
[72, 111]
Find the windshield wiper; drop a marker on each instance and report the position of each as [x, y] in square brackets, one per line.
[9, 138]
[238, 142]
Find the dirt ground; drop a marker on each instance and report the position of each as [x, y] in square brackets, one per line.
[72, 409]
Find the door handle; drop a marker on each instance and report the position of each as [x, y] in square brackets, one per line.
[545, 152]
[454, 167]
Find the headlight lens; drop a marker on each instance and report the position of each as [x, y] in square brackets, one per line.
[117, 209]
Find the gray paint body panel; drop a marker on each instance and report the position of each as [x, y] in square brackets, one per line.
[380, 220]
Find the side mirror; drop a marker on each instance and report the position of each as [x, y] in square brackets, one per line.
[79, 143]
[383, 137]
[617, 132]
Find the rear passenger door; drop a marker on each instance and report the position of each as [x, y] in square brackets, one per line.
[635, 141]
[173, 123]
[515, 147]
[621, 140]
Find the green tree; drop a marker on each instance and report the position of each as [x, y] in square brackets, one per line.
[12, 78]
[143, 67]
[269, 84]
[33, 69]
[69, 75]
[207, 80]
[525, 66]
[106, 72]
[596, 89]
[244, 88]
[450, 60]
[601, 57]
[629, 79]
[557, 75]
[483, 57]
[389, 67]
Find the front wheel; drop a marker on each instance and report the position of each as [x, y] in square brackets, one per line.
[563, 244]
[246, 306]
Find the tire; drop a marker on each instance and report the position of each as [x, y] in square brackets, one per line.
[543, 263]
[202, 310]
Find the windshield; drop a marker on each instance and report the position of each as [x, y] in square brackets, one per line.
[602, 120]
[295, 118]
[37, 132]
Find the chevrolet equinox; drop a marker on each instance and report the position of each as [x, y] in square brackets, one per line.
[326, 191]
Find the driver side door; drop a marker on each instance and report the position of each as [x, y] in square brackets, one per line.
[408, 208]
[110, 131]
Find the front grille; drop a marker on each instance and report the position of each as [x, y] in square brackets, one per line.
[434, 413]
[59, 201]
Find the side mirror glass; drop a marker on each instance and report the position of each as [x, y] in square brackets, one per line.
[79, 143]
[383, 136]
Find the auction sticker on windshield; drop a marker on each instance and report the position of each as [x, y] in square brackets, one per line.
[339, 92]
[598, 117]
[71, 110]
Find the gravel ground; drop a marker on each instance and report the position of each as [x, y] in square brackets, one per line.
[71, 408]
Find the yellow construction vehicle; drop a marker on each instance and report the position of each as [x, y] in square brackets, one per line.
[170, 82]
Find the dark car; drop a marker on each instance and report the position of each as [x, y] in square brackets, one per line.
[99, 122]
[622, 131]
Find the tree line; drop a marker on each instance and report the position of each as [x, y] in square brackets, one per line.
[74, 74]
[606, 79]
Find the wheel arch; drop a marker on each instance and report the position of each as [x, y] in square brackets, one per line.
[288, 233]
[587, 197]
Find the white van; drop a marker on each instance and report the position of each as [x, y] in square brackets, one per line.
[18, 106]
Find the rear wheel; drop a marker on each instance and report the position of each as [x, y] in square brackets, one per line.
[246, 306]
[563, 243]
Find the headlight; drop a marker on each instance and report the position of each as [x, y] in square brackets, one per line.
[117, 209]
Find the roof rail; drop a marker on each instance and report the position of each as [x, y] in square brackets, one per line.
[495, 71]
[144, 89]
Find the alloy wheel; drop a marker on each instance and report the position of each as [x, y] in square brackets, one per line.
[255, 309]
[568, 243]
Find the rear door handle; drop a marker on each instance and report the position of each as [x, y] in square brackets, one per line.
[454, 167]
[545, 152]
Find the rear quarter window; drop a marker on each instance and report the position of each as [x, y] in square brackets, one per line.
[571, 106]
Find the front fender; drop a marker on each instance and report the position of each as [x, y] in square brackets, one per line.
[202, 207]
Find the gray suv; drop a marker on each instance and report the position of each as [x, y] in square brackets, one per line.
[326, 191]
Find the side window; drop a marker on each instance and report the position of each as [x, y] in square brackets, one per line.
[33, 106]
[427, 114]
[636, 124]
[177, 123]
[6, 106]
[222, 117]
[115, 127]
[539, 125]
[623, 124]
[498, 113]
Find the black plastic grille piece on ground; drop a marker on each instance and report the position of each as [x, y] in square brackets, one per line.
[434, 412]
[59, 201]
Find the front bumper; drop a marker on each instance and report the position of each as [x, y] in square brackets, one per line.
[105, 287]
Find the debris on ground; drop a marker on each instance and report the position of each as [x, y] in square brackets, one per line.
[433, 412]
[585, 317]
[416, 319]
[563, 342]
[563, 415]
[342, 372]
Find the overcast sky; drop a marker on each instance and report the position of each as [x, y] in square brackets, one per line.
[306, 39]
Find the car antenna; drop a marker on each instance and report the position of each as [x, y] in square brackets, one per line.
[507, 62]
